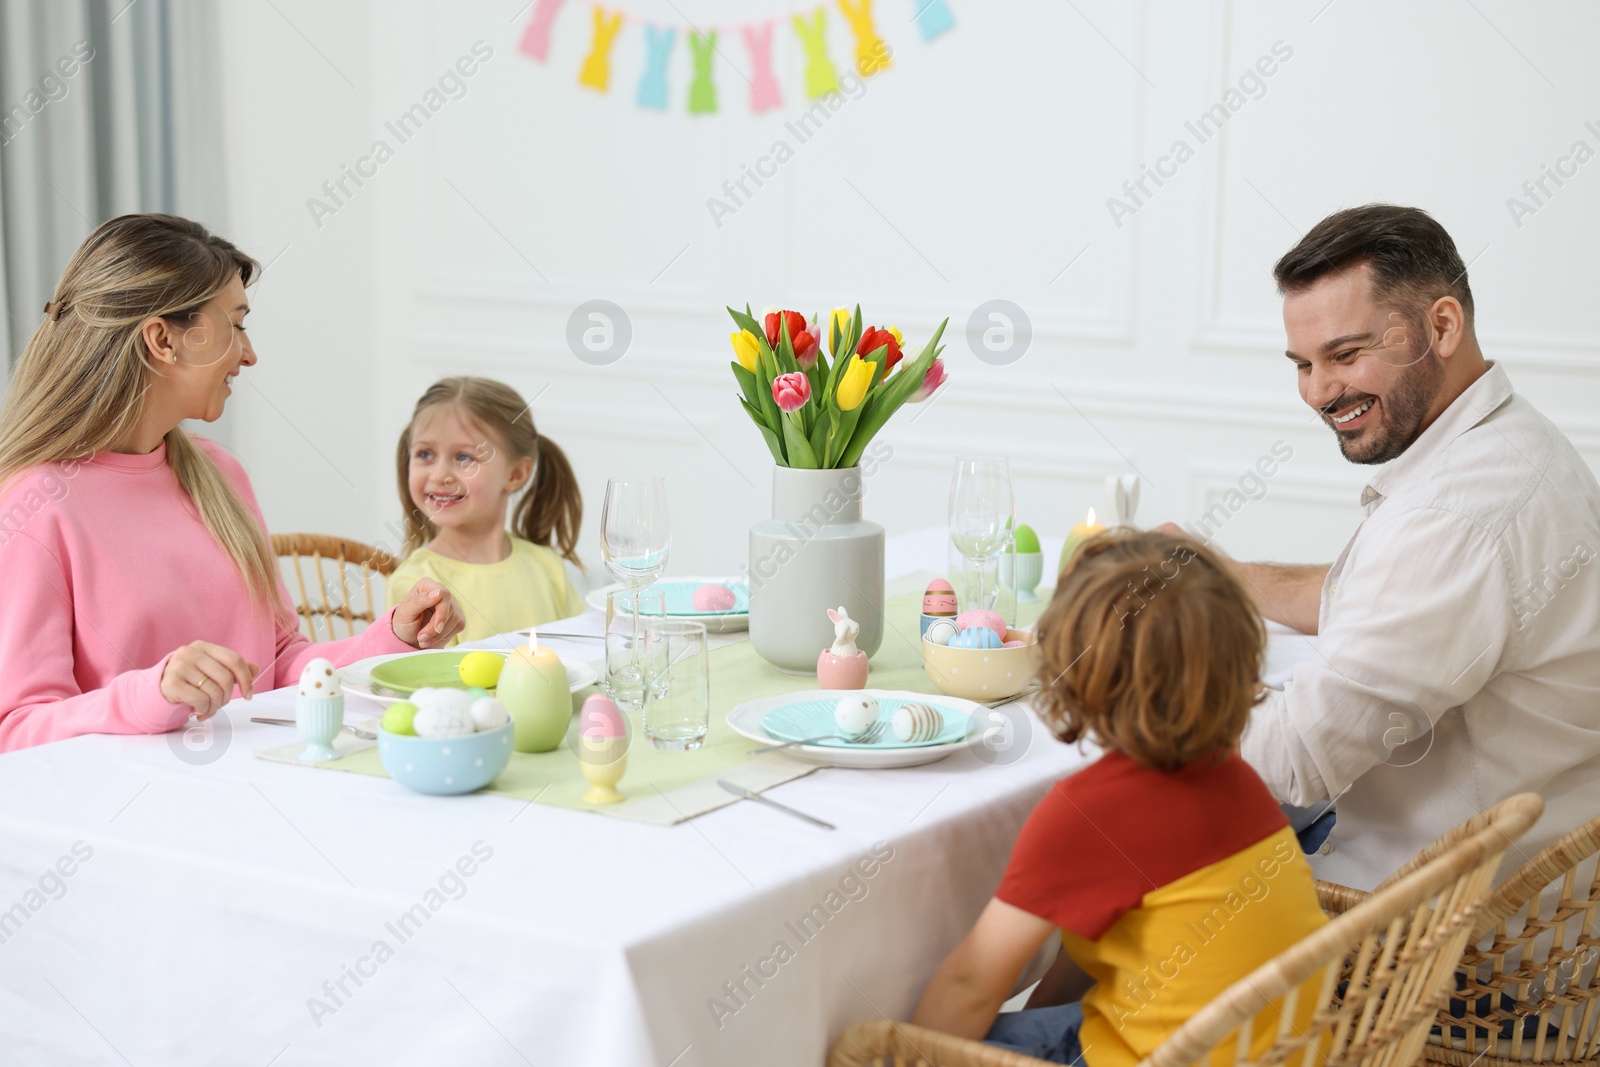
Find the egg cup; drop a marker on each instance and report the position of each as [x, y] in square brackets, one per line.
[319, 720]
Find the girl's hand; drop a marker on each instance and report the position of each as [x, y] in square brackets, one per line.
[427, 618]
[202, 675]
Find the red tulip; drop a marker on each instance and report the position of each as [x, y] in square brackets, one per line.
[791, 391]
[873, 339]
[806, 348]
[795, 321]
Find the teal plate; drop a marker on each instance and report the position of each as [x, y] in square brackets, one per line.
[814, 718]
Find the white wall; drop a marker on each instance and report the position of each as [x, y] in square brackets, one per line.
[978, 167]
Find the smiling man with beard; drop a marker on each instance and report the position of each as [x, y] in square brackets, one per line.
[1458, 651]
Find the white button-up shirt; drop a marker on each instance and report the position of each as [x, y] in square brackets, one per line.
[1458, 656]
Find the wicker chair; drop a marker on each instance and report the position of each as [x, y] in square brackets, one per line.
[1399, 950]
[1527, 990]
[350, 562]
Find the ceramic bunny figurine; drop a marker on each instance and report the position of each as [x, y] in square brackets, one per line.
[842, 666]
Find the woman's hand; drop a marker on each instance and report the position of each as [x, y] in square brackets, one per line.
[427, 617]
[202, 675]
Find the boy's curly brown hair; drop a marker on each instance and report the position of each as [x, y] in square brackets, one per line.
[1150, 646]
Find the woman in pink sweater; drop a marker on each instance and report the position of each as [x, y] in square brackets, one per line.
[140, 586]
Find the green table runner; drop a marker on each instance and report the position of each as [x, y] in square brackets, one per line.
[669, 787]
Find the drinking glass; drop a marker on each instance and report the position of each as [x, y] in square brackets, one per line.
[981, 512]
[634, 538]
[623, 680]
[677, 676]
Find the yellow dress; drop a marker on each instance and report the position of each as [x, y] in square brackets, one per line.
[528, 588]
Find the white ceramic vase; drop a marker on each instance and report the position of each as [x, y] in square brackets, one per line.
[815, 553]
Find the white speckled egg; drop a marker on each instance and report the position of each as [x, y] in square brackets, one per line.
[940, 631]
[854, 714]
[915, 723]
[488, 714]
[319, 679]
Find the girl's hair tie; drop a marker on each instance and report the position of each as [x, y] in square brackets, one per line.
[54, 309]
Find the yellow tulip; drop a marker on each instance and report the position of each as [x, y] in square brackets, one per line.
[746, 347]
[895, 332]
[842, 320]
[853, 383]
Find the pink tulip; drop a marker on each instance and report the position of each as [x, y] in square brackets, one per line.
[930, 382]
[791, 391]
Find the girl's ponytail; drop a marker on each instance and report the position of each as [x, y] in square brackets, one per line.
[550, 513]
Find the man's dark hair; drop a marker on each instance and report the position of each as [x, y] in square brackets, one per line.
[1413, 259]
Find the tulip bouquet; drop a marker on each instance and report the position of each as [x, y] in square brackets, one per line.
[820, 411]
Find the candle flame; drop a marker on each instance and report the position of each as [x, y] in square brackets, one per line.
[1090, 520]
[533, 640]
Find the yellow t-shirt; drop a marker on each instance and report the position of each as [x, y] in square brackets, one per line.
[1168, 887]
[528, 588]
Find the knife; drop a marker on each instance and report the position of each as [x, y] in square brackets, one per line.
[746, 794]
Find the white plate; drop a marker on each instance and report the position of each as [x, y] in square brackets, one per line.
[746, 720]
[355, 677]
[715, 624]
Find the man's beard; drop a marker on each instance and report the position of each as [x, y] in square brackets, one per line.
[1403, 409]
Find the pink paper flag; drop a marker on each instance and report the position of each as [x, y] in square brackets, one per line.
[536, 38]
[764, 93]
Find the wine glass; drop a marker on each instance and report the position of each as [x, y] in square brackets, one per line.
[981, 511]
[634, 537]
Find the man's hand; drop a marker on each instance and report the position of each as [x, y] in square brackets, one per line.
[1283, 592]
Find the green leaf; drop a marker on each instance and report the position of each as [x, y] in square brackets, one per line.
[745, 321]
[773, 443]
[746, 380]
[800, 453]
[818, 437]
[764, 376]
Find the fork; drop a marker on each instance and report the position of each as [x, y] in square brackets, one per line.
[865, 737]
[365, 735]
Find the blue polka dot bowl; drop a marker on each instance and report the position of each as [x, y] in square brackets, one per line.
[445, 766]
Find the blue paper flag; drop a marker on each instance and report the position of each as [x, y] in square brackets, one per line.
[932, 18]
[653, 86]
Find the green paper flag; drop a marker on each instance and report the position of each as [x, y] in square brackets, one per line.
[702, 93]
[821, 77]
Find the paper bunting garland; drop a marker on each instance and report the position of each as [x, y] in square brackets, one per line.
[932, 18]
[764, 93]
[596, 73]
[702, 93]
[536, 38]
[872, 52]
[872, 55]
[653, 86]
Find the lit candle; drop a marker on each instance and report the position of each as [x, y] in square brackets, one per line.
[1080, 533]
[533, 688]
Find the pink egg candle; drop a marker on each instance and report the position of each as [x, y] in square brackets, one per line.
[714, 597]
[602, 748]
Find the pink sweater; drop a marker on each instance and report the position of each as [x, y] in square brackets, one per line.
[107, 570]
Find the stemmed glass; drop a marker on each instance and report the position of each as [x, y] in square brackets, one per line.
[634, 539]
[981, 511]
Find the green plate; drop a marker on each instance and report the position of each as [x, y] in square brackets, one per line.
[425, 670]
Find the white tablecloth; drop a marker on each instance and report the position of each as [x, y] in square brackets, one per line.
[159, 910]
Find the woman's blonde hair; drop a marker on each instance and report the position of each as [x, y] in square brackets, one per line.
[1150, 646]
[550, 512]
[81, 383]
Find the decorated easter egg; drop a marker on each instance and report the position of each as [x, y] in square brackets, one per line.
[477, 693]
[319, 680]
[976, 637]
[398, 718]
[854, 714]
[442, 713]
[600, 719]
[939, 599]
[488, 714]
[915, 723]
[714, 597]
[1015, 644]
[982, 617]
[940, 631]
[481, 669]
[1027, 541]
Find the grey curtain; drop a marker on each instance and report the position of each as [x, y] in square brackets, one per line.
[106, 107]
